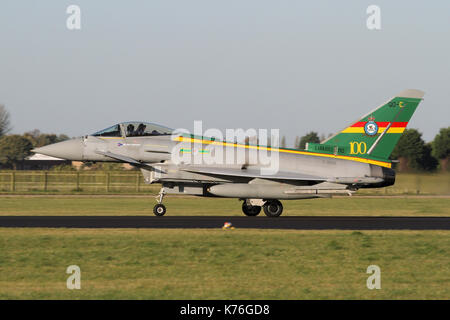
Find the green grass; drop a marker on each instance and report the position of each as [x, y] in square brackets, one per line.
[108, 205]
[223, 264]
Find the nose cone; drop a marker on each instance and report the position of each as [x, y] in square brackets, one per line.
[69, 150]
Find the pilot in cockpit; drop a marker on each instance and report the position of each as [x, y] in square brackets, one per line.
[130, 130]
[140, 130]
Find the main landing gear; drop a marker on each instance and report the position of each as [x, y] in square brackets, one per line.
[159, 209]
[250, 210]
[272, 208]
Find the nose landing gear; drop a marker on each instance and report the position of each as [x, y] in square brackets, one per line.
[159, 209]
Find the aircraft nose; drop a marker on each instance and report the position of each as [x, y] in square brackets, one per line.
[69, 150]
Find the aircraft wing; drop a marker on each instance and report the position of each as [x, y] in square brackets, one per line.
[253, 173]
[126, 159]
[119, 157]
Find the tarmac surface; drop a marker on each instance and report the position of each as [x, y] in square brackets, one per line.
[212, 222]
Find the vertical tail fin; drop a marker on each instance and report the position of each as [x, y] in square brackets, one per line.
[375, 134]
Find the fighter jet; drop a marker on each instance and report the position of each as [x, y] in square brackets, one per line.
[355, 157]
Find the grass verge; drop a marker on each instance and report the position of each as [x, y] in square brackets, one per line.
[107, 205]
[217, 264]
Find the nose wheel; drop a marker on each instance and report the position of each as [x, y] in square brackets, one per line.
[159, 209]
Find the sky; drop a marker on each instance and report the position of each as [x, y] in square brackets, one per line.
[291, 65]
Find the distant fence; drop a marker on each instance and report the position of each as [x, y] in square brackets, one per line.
[74, 181]
[133, 182]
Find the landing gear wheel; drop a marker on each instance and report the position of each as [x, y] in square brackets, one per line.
[250, 210]
[159, 210]
[273, 208]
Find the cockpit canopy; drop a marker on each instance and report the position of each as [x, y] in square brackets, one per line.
[134, 129]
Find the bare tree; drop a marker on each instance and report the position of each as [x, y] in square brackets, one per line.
[5, 124]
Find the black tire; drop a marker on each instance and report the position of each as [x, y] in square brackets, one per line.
[250, 211]
[159, 210]
[273, 208]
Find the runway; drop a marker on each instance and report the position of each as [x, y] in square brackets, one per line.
[215, 222]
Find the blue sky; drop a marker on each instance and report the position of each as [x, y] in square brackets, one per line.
[291, 65]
